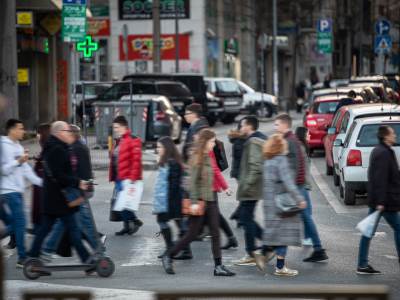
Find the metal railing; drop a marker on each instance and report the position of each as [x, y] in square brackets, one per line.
[323, 292]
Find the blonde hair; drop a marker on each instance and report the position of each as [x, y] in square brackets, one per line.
[275, 145]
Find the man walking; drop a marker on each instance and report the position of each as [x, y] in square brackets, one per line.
[383, 193]
[58, 176]
[14, 171]
[297, 163]
[250, 185]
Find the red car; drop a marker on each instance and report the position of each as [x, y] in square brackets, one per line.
[318, 118]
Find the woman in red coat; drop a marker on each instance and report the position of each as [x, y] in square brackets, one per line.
[126, 164]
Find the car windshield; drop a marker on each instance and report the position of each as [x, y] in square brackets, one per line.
[173, 90]
[367, 136]
[227, 86]
[326, 107]
[116, 91]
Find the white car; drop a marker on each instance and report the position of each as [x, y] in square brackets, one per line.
[341, 124]
[253, 100]
[354, 157]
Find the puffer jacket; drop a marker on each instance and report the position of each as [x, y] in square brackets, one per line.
[129, 158]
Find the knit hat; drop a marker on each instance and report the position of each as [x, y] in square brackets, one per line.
[195, 108]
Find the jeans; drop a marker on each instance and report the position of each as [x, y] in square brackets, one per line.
[16, 221]
[251, 229]
[393, 219]
[69, 221]
[281, 250]
[126, 215]
[310, 230]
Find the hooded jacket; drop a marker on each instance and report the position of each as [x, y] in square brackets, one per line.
[237, 140]
[13, 174]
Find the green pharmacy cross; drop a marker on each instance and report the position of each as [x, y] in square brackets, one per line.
[87, 46]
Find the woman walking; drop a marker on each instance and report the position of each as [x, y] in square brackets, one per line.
[205, 182]
[126, 165]
[279, 232]
[168, 190]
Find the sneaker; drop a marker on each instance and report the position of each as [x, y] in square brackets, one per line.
[20, 263]
[48, 256]
[307, 242]
[285, 271]
[368, 270]
[317, 256]
[103, 239]
[260, 260]
[246, 261]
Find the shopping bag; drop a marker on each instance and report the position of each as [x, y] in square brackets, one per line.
[130, 196]
[368, 224]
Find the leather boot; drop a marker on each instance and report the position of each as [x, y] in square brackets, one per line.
[232, 243]
[134, 226]
[124, 230]
[167, 264]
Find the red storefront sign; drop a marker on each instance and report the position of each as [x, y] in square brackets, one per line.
[98, 27]
[62, 89]
[140, 47]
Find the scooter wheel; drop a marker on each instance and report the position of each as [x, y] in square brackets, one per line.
[105, 267]
[30, 266]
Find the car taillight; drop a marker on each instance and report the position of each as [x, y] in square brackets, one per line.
[160, 116]
[354, 158]
[310, 121]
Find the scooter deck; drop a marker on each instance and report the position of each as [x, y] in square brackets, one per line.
[55, 268]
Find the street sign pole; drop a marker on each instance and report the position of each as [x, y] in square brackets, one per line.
[125, 46]
[275, 49]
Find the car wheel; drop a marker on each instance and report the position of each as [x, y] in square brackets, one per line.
[212, 120]
[264, 111]
[329, 170]
[228, 119]
[349, 196]
[336, 178]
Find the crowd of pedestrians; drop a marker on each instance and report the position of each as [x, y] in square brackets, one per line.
[270, 171]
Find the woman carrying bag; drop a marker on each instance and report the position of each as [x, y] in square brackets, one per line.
[168, 190]
[282, 229]
[205, 182]
[125, 166]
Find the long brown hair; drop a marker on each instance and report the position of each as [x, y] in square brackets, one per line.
[171, 152]
[44, 131]
[275, 145]
[198, 154]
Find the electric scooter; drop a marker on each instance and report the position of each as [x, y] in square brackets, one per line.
[100, 263]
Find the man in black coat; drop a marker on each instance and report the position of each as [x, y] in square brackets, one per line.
[383, 193]
[58, 175]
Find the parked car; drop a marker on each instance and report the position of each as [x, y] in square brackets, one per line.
[317, 119]
[356, 151]
[340, 126]
[394, 81]
[230, 95]
[161, 117]
[177, 93]
[258, 103]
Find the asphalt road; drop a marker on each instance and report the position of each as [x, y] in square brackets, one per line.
[139, 272]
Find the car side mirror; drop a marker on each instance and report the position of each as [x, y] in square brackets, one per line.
[338, 143]
[331, 130]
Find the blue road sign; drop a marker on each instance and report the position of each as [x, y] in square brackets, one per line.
[383, 44]
[382, 27]
[76, 2]
[324, 25]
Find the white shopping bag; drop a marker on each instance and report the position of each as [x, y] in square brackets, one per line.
[368, 224]
[130, 196]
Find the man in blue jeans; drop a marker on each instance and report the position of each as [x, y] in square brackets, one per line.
[250, 186]
[383, 193]
[14, 171]
[297, 162]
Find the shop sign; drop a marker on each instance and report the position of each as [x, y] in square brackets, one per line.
[52, 23]
[98, 27]
[62, 89]
[73, 22]
[231, 46]
[23, 76]
[143, 10]
[100, 10]
[140, 47]
[24, 19]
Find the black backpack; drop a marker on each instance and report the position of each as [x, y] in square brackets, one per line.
[220, 155]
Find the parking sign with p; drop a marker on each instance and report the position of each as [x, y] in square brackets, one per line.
[324, 25]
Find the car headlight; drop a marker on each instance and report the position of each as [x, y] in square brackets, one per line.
[274, 100]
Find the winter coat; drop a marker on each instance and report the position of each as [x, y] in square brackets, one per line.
[384, 179]
[37, 192]
[168, 192]
[194, 128]
[84, 166]
[278, 179]
[57, 160]
[294, 152]
[237, 140]
[251, 168]
[129, 158]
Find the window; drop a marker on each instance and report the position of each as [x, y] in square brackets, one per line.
[116, 91]
[327, 107]
[345, 123]
[367, 136]
[173, 90]
[143, 89]
[227, 86]
[335, 119]
[349, 134]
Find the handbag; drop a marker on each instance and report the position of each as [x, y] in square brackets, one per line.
[130, 196]
[286, 205]
[187, 208]
[220, 155]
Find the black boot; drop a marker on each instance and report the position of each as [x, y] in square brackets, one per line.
[316, 256]
[124, 230]
[166, 233]
[134, 226]
[221, 270]
[185, 254]
[167, 264]
[232, 243]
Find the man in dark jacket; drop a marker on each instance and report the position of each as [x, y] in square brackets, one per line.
[383, 193]
[58, 175]
[193, 115]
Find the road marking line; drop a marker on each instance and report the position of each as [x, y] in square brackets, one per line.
[327, 192]
[145, 253]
